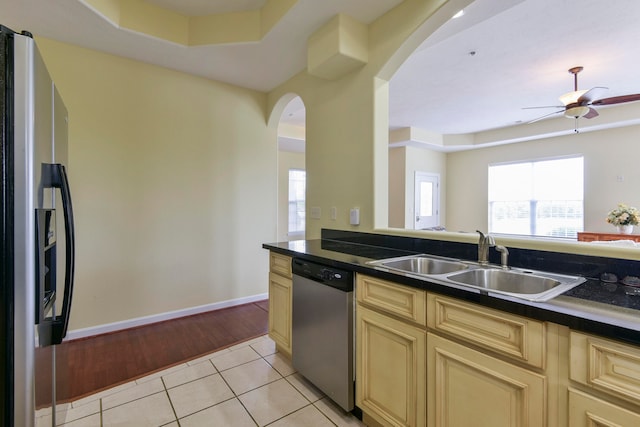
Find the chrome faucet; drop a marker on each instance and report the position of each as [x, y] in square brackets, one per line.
[504, 255]
[485, 242]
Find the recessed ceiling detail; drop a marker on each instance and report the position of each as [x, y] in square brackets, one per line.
[338, 48]
[207, 7]
[148, 18]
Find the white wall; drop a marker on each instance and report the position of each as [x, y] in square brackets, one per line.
[174, 185]
[607, 154]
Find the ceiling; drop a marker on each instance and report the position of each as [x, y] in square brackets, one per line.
[479, 75]
[260, 65]
[474, 74]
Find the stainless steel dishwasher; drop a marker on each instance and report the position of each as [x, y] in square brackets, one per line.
[323, 336]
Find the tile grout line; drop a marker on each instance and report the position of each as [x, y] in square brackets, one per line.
[248, 343]
[235, 396]
[173, 409]
[284, 377]
[217, 372]
[308, 400]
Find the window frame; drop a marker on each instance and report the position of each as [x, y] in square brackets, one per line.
[300, 231]
[536, 206]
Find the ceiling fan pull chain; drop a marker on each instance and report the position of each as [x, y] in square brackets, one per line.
[576, 126]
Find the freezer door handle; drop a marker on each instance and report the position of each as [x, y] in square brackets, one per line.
[58, 176]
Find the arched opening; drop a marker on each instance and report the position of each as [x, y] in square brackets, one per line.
[291, 209]
[478, 99]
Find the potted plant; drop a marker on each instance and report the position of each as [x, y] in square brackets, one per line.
[624, 217]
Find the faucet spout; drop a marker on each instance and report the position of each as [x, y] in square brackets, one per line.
[504, 255]
[484, 243]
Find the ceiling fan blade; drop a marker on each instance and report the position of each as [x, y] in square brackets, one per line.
[546, 115]
[545, 106]
[591, 114]
[592, 94]
[617, 99]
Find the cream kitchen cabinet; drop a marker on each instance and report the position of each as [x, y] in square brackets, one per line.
[588, 411]
[484, 367]
[514, 337]
[425, 359]
[607, 373]
[467, 387]
[390, 352]
[280, 301]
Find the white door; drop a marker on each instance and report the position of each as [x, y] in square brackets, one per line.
[427, 200]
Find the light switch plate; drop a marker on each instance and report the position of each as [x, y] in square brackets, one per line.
[354, 216]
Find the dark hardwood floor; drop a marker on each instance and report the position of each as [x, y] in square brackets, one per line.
[88, 365]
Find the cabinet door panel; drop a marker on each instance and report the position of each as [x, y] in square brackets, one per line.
[469, 388]
[606, 365]
[390, 365]
[588, 411]
[280, 311]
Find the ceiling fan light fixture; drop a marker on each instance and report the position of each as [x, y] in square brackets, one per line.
[571, 97]
[575, 112]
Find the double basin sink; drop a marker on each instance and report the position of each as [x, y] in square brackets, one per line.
[521, 283]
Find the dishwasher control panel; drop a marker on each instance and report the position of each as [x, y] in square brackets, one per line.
[330, 276]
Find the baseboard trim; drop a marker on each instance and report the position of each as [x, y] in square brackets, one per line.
[141, 321]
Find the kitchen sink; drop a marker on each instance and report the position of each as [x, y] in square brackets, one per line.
[422, 264]
[505, 280]
[530, 285]
[525, 284]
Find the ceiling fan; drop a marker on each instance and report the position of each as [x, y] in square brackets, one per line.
[580, 103]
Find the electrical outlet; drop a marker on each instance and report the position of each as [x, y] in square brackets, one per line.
[334, 213]
[316, 212]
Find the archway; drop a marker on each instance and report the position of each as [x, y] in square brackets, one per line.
[290, 113]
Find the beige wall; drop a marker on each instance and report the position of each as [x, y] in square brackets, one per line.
[174, 185]
[430, 161]
[607, 154]
[404, 162]
[397, 186]
[286, 160]
[347, 134]
[175, 177]
[347, 119]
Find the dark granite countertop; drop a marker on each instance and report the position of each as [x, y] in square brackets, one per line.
[605, 309]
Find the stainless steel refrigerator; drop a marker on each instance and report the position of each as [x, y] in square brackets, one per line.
[37, 262]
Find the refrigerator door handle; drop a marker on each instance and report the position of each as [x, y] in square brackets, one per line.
[58, 176]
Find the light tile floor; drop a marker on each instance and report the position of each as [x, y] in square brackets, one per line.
[249, 384]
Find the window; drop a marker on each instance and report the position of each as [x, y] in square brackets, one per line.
[297, 190]
[537, 198]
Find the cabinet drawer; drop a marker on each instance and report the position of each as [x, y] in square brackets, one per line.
[507, 334]
[606, 365]
[280, 264]
[402, 301]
